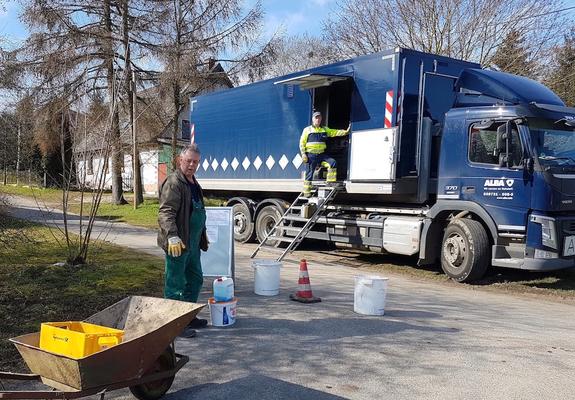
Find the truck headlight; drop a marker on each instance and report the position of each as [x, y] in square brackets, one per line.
[548, 235]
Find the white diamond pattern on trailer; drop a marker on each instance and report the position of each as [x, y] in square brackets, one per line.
[205, 165]
[235, 163]
[283, 161]
[215, 164]
[297, 161]
[246, 163]
[225, 164]
[258, 162]
[270, 162]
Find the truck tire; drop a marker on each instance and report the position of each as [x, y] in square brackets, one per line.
[243, 225]
[265, 221]
[465, 250]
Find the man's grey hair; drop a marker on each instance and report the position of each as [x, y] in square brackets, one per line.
[191, 147]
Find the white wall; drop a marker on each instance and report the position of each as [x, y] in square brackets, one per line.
[149, 170]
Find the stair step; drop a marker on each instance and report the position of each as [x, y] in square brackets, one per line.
[282, 239]
[272, 249]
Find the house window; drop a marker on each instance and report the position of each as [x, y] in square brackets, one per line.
[90, 165]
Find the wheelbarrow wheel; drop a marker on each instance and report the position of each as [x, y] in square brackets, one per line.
[156, 389]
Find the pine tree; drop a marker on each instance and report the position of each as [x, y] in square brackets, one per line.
[562, 78]
[513, 56]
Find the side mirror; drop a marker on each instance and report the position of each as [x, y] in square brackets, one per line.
[529, 164]
[502, 143]
[502, 136]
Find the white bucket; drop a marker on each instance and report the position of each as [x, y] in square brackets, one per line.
[369, 294]
[266, 277]
[223, 313]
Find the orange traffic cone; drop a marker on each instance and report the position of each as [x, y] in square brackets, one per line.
[304, 294]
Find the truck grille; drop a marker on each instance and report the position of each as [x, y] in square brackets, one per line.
[569, 226]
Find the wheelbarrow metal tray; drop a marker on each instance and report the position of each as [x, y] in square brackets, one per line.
[150, 325]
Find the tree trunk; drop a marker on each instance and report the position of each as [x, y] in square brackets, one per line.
[131, 96]
[176, 89]
[115, 139]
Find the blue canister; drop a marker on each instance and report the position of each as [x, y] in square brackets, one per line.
[223, 289]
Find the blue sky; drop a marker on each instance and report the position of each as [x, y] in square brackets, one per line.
[295, 16]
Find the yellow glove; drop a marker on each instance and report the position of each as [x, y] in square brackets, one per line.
[175, 246]
[304, 158]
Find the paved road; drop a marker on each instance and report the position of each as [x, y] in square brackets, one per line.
[436, 341]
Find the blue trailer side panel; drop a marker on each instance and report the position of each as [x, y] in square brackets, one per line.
[241, 130]
[252, 132]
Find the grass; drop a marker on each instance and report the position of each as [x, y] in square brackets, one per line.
[34, 290]
[145, 215]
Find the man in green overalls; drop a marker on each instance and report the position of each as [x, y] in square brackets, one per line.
[182, 233]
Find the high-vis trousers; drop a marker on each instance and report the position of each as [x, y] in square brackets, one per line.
[314, 161]
[184, 277]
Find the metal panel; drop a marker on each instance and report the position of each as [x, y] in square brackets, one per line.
[373, 155]
[401, 235]
[311, 81]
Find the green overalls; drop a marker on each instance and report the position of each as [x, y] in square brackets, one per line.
[184, 277]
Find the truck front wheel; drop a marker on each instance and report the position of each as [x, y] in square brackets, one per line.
[465, 250]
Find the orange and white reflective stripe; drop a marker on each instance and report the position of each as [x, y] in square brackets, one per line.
[388, 108]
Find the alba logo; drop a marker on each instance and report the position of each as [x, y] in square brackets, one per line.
[498, 182]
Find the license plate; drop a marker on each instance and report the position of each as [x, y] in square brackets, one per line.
[569, 246]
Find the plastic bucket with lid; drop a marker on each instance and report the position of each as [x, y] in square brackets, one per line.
[223, 313]
[369, 294]
[266, 277]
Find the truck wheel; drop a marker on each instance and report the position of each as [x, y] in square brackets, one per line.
[265, 221]
[465, 250]
[156, 389]
[243, 225]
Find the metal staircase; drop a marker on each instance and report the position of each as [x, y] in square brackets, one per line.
[326, 193]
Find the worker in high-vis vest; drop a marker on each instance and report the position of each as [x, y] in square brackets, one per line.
[312, 145]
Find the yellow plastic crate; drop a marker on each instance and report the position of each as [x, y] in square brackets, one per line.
[77, 339]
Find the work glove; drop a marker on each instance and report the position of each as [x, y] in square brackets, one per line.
[348, 128]
[304, 158]
[175, 246]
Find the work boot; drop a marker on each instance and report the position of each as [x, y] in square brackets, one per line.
[188, 333]
[198, 323]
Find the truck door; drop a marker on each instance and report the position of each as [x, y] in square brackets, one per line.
[331, 95]
[496, 183]
[435, 100]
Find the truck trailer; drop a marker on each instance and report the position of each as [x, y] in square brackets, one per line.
[445, 160]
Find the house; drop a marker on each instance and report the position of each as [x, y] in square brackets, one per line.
[92, 155]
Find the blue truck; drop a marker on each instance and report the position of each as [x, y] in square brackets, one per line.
[454, 163]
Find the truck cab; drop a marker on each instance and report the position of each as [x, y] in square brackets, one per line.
[507, 157]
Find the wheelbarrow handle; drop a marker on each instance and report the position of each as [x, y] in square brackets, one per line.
[19, 377]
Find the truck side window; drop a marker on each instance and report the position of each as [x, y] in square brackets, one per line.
[482, 143]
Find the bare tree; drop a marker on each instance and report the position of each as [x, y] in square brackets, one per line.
[466, 29]
[289, 54]
[185, 35]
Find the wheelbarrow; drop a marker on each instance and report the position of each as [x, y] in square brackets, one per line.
[145, 361]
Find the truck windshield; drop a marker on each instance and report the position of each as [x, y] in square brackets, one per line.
[554, 142]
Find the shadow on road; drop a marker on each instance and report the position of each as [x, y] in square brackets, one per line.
[255, 386]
